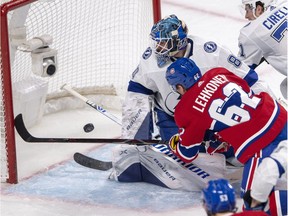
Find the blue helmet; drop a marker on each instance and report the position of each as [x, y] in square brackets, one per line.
[219, 196]
[183, 71]
[169, 36]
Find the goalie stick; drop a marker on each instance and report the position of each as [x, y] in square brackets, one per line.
[232, 173]
[26, 136]
[95, 106]
[91, 104]
[92, 163]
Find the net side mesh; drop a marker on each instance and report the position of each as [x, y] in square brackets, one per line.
[98, 43]
[3, 140]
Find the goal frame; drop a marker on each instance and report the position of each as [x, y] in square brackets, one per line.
[7, 81]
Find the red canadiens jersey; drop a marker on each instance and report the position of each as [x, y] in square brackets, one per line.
[223, 102]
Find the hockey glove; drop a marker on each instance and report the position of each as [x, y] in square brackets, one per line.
[216, 147]
[213, 143]
[248, 201]
[173, 142]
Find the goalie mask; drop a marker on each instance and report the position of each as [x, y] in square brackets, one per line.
[219, 196]
[169, 36]
[183, 71]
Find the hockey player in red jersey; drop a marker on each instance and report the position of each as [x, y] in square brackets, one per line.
[254, 124]
[219, 200]
[150, 102]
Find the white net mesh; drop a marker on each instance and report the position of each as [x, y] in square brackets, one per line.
[98, 43]
[93, 49]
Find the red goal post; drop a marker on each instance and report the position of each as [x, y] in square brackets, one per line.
[93, 45]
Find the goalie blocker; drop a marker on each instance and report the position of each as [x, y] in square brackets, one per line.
[157, 165]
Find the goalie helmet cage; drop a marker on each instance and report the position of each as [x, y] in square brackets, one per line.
[98, 44]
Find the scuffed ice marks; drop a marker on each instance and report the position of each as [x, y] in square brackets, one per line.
[70, 182]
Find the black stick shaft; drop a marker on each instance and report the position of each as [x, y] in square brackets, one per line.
[26, 136]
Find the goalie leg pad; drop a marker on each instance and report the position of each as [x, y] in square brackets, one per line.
[149, 164]
[126, 164]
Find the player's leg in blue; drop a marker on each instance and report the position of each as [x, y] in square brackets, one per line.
[166, 124]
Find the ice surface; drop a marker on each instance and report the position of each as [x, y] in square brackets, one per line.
[52, 184]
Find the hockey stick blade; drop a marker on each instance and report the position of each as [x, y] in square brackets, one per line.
[26, 136]
[91, 162]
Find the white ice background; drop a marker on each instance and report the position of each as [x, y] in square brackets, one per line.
[52, 184]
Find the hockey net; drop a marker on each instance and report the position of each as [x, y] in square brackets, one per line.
[98, 46]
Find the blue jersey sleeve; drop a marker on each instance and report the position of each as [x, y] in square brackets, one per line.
[138, 88]
[251, 78]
